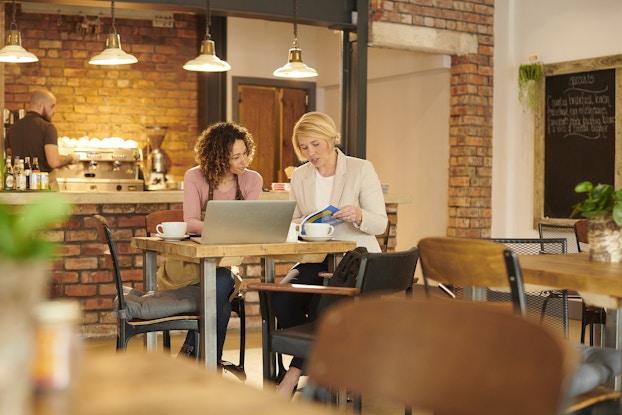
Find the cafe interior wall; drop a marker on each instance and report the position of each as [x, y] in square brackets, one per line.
[407, 111]
[555, 31]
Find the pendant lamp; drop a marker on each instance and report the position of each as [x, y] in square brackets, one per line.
[207, 61]
[13, 52]
[113, 54]
[295, 68]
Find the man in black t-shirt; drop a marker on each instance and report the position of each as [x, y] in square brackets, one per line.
[35, 135]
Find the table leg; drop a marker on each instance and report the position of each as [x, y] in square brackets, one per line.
[150, 281]
[207, 325]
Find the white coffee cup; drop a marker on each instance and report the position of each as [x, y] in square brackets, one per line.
[292, 234]
[318, 230]
[171, 229]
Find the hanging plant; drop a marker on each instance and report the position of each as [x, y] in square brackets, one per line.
[529, 82]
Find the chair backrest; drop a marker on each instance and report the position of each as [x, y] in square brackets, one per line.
[105, 237]
[467, 262]
[381, 273]
[159, 216]
[560, 231]
[514, 367]
[534, 246]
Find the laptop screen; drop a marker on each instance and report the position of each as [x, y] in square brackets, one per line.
[246, 221]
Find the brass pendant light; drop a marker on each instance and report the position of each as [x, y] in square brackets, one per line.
[295, 68]
[207, 61]
[13, 52]
[113, 54]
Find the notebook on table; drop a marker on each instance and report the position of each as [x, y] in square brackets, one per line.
[246, 221]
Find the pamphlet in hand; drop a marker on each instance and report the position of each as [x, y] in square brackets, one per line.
[322, 216]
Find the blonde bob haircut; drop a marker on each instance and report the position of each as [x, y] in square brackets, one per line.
[316, 125]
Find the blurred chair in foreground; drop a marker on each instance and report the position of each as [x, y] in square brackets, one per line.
[483, 264]
[448, 357]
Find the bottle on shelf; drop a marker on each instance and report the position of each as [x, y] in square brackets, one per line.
[9, 179]
[27, 171]
[35, 175]
[20, 177]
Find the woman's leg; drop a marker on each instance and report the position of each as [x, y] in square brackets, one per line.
[224, 288]
[292, 309]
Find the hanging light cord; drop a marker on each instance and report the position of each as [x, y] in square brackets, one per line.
[113, 29]
[13, 21]
[295, 24]
[208, 20]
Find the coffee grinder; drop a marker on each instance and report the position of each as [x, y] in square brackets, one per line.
[158, 161]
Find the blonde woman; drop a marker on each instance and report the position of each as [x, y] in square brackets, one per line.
[328, 178]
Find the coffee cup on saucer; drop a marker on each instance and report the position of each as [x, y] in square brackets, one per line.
[171, 229]
[318, 230]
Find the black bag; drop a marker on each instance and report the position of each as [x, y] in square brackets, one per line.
[345, 275]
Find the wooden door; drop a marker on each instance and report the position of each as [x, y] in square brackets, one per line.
[270, 113]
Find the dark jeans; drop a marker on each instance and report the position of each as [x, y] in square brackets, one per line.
[294, 309]
[224, 288]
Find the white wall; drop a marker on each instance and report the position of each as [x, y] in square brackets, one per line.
[556, 31]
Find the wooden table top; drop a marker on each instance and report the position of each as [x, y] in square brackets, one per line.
[142, 383]
[575, 272]
[287, 251]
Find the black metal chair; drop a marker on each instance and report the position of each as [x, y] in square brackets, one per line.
[540, 246]
[379, 273]
[130, 327]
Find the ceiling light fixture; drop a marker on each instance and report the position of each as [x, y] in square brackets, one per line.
[113, 54]
[207, 61]
[295, 68]
[13, 52]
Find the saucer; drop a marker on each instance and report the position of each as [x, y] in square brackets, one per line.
[316, 238]
[172, 238]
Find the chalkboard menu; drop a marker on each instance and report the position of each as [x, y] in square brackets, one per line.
[577, 133]
[579, 136]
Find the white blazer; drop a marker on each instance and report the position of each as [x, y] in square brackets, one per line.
[356, 183]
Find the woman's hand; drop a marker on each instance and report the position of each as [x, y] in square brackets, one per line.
[350, 214]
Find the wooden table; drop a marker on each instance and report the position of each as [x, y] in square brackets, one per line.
[598, 283]
[211, 256]
[142, 383]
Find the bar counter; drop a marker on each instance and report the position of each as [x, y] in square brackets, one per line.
[156, 196]
[79, 270]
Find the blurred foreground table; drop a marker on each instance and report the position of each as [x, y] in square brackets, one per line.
[143, 383]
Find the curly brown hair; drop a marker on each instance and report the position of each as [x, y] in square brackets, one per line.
[214, 146]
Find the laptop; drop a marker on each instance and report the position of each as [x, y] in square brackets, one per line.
[246, 221]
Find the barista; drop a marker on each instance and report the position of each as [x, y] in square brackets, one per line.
[36, 136]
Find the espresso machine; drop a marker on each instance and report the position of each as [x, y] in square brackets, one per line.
[158, 162]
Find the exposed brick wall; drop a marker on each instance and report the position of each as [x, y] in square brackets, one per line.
[112, 101]
[471, 95]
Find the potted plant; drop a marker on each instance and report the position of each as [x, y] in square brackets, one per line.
[25, 255]
[603, 209]
[530, 82]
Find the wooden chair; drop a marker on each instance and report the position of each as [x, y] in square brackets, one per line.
[590, 315]
[379, 273]
[238, 305]
[129, 327]
[423, 354]
[483, 263]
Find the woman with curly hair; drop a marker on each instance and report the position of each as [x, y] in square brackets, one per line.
[223, 150]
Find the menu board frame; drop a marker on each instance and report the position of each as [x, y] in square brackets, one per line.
[568, 70]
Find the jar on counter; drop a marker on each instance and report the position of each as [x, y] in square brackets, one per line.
[56, 344]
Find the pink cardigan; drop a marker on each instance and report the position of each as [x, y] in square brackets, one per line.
[196, 194]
